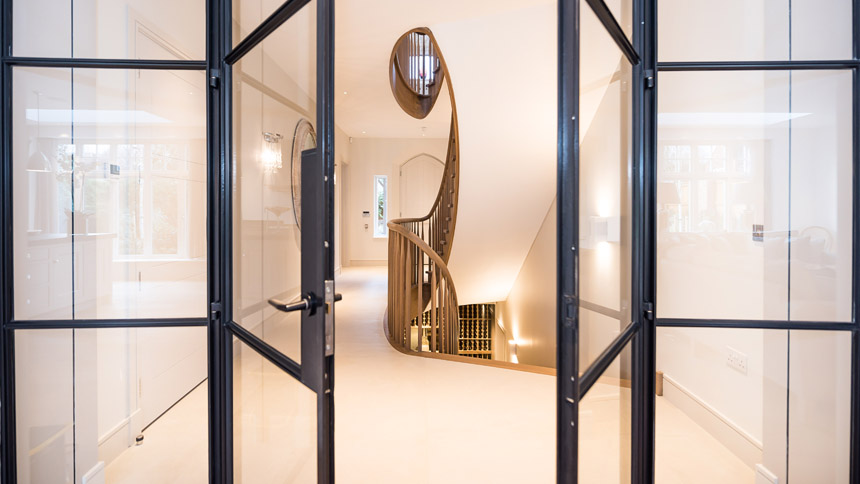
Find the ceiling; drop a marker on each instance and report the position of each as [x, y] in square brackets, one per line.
[365, 33]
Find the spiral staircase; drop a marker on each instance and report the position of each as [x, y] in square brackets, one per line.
[419, 281]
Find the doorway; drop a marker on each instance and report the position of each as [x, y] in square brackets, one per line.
[106, 198]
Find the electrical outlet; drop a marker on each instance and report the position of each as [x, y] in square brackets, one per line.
[736, 360]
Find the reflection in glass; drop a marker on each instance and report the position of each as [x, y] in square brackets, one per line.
[605, 425]
[754, 195]
[622, 10]
[274, 95]
[274, 422]
[604, 171]
[738, 30]
[84, 395]
[111, 224]
[117, 29]
[740, 405]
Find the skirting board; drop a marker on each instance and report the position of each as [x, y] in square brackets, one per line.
[764, 476]
[116, 440]
[728, 433]
[96, 475]
[368, 263]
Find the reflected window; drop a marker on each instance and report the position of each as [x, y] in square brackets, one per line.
[706, 188]
[380, 209]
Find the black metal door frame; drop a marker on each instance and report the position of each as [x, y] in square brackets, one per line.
[318, 372]
[8, 324]
[573, 382]
[642, 330]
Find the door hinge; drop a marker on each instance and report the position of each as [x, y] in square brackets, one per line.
[649, 78]
[330, 299]
[215, 310]
[648, 310]
[214, 78]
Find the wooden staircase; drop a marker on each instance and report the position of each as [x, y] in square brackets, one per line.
[419, 248]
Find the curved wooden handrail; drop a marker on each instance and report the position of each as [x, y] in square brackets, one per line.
[423, 247]
[419, 247]
[419, 282]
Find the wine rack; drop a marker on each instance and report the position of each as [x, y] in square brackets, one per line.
[475, 339]
[476, 330]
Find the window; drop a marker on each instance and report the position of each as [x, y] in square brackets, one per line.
[380, 209]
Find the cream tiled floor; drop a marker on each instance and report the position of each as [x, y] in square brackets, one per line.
[403, 419]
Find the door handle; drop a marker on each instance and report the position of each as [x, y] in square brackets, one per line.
[306, 302]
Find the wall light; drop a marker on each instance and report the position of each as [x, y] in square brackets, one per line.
[605, 229]
[271, 154]
[513, 351]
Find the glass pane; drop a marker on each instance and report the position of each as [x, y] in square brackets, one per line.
[110, 193]
[118, 29]
[41, 186]
[735, 30]
[604, 187]
[752, 405]
[84, 396]
[249, 14]
[274, 422]
[605, 425]
[275, 111]
[754, 195]
[597, 330]
[622, 10]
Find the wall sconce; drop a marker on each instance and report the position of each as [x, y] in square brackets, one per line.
[514, 346]
[605, 229]
[271, 155]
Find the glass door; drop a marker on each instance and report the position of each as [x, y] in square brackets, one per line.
[281, 315]
[602, 308]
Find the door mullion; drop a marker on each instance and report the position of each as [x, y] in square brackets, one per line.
[567, 244]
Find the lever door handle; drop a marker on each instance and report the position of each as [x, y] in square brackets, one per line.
[301, 304]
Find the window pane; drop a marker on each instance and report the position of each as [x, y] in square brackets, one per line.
[107, 213]
[741, 405]
[754, 195]
[604, 188]
[734, 30]
[84, 395]
[380, 211]
[274, 101]
[118, 29]
[274, 422]
[605, 425]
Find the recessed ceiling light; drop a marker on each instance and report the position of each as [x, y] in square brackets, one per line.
[364, 132]
[344, 92]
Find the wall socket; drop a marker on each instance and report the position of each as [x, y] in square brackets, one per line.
[737, 360]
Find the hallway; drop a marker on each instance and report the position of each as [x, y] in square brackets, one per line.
[405, 419]
[418, 420]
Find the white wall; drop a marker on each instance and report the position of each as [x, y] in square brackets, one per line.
[507, 142]
[369, 157]
[529, 313]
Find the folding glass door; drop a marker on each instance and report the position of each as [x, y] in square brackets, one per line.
[602, 313]
[756, 240]
[105, 255]
[280, 315]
